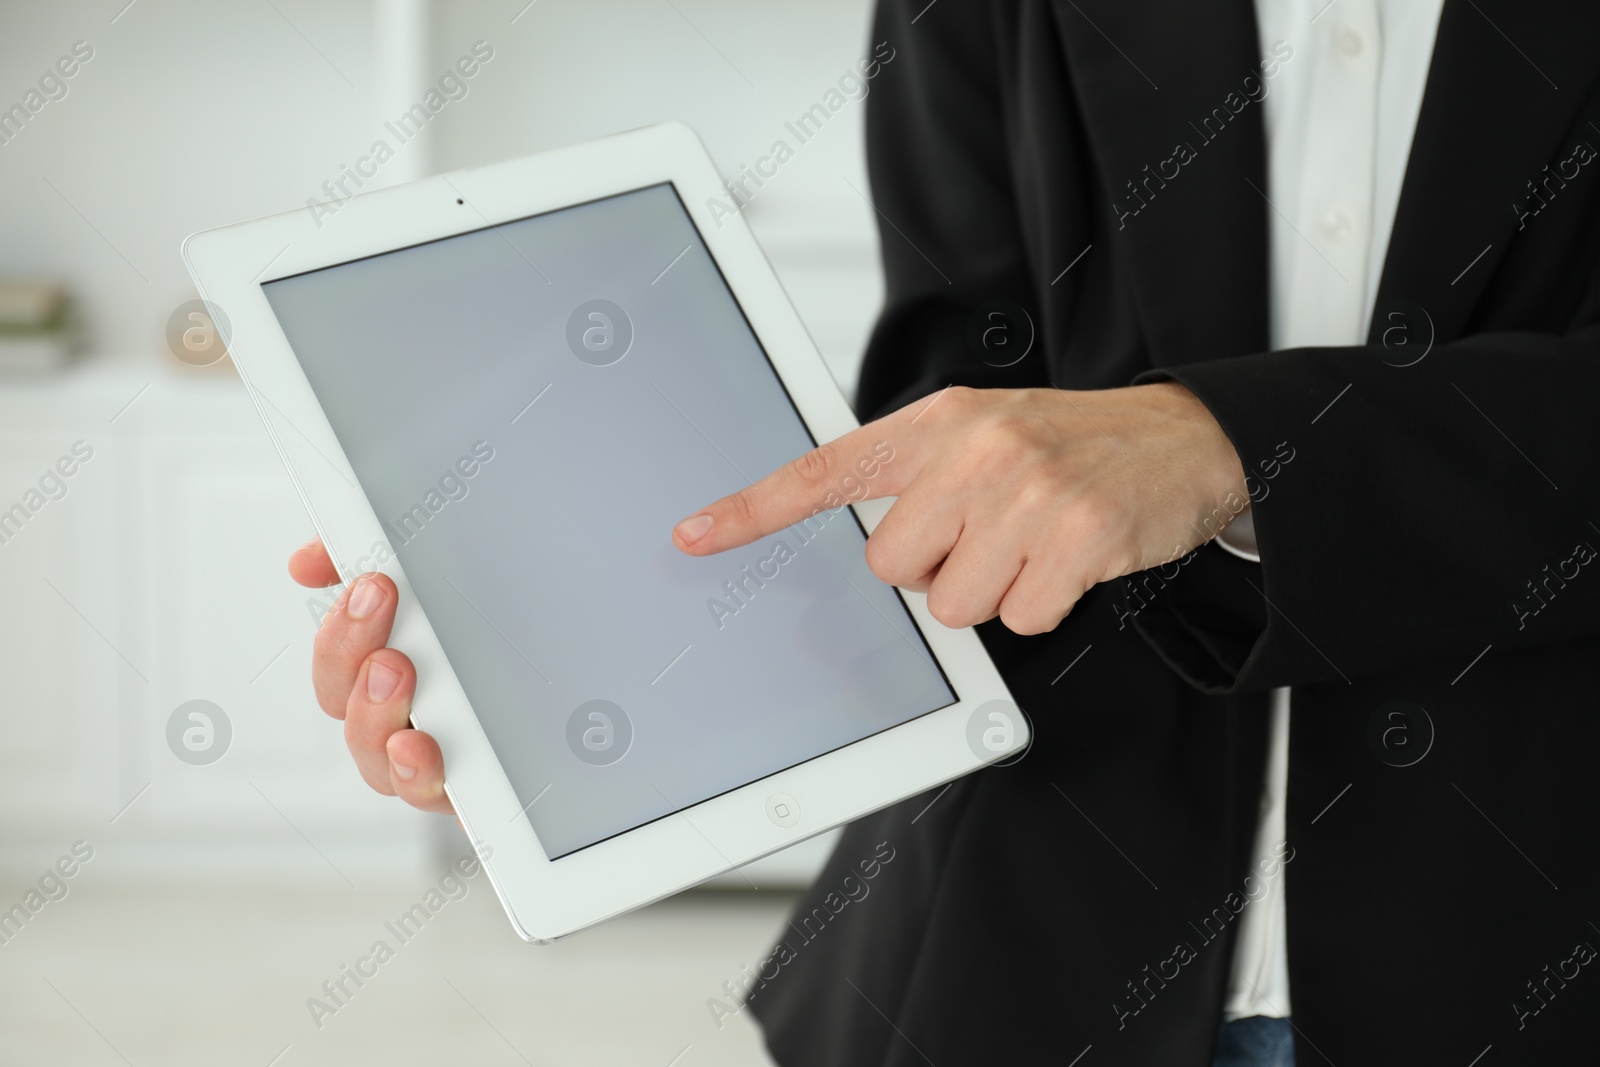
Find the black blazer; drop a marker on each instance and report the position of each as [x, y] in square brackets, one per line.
[1429, 587]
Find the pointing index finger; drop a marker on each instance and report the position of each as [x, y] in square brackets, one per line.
[847, 470]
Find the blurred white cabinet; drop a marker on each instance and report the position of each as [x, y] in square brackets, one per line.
[157, 578]
[49, 761]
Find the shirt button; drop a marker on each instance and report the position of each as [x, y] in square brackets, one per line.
[1349, 42]
[1336, 226]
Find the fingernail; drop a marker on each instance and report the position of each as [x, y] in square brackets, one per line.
[364, 599]
[692, 529]
[313, 543]
[381, 681]
[402, 771]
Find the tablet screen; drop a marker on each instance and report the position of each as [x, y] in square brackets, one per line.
[530, 407]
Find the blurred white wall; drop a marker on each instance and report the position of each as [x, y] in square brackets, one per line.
[158, 577]
[737, 72]
[192, 115]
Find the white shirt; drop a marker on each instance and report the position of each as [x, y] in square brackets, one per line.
[1339, 118]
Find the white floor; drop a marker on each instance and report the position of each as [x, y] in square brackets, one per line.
[196, 976]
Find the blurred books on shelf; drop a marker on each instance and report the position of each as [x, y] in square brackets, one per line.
[37, 327]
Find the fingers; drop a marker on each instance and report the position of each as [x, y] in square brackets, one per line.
[378, 705]
[393, 758]
[921, 585]
[974, 579]
[356, 626]
[310, 566]
[854, 468]
[1041, 596]
[416, 752]
[369, 686]
[915, 536]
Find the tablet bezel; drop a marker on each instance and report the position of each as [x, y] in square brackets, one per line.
[546, 899]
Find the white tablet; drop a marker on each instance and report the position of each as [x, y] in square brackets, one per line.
[502, 387]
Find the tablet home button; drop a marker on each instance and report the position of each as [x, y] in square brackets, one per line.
[783, 809]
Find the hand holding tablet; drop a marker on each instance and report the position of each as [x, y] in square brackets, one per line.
[369, 686]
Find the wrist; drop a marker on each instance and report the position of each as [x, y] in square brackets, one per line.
[1217, 469]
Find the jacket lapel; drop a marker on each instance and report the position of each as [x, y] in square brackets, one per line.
[1503, 95]
[1180, 155]
[1504, 90]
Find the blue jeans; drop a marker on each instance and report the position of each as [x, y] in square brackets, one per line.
[1255, 1042]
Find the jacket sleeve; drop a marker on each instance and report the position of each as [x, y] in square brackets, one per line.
[1427, 512]
[947, 222]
